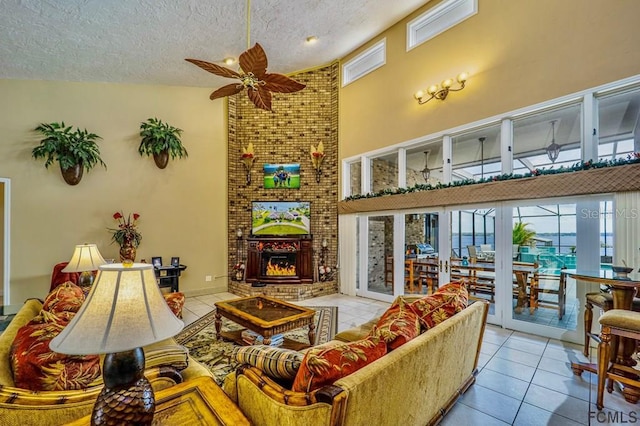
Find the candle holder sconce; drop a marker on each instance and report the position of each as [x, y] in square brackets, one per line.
[317, 155]
[248, 158]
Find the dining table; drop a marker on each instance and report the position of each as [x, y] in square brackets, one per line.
[521, 271]
[623, 290]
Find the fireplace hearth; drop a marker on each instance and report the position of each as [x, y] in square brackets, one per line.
[280, 260]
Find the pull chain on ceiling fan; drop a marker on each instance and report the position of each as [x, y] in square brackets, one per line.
[252, 75]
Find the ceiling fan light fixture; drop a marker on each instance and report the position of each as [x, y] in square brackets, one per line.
[229, 60]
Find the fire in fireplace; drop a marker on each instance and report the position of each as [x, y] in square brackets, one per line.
[280, 260]
[280, 266]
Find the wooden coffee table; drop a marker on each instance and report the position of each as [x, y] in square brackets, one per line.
[264, 315]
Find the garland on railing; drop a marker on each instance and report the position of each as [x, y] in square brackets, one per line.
[576, 167]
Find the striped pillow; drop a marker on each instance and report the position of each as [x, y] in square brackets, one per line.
[273, 361]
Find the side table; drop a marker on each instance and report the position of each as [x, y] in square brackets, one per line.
[169, 276]
[196, 402]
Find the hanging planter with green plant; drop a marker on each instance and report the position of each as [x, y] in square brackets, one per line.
[161, 140]
[74, 150]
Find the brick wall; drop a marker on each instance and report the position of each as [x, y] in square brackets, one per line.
[299, 120]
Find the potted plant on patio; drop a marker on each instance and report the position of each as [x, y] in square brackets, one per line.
[161, 140]
[522, 236]
[74, 150]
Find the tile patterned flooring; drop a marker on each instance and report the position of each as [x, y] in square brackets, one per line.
[524, 379]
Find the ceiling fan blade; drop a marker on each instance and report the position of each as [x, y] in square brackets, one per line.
[214, 69]
[281, 83]
[260, 98]
[228, 90]
[254, 60]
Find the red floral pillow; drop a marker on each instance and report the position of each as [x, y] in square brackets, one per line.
[65, 297]
[323, 365]
[444, 303]
[175, 301]
[397, 325]
[34, 365]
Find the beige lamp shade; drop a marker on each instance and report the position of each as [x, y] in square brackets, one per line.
[86, 257]
[124, 310]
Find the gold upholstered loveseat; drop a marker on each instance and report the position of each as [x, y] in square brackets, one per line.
[166, 364]
[415, 384]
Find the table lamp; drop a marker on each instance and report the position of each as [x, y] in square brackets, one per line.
[86, 259]
[124, 311]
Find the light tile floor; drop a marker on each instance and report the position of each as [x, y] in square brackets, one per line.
[523, 380]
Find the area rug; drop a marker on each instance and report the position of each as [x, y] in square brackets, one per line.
[200, 338]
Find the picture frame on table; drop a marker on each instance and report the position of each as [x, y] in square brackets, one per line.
[175, 261]
[156, 262]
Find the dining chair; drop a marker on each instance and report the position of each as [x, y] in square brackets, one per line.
[621, 323]
[604, 301]
[388, 271]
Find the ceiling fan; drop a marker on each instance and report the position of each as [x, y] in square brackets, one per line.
[252, 75]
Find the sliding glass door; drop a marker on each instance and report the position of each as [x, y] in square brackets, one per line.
[404, 254]
[473, 252]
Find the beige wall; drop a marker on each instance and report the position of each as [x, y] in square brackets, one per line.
[2, 190]
[518, 53]
[182, 208]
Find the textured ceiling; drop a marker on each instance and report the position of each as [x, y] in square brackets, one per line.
[146, 41]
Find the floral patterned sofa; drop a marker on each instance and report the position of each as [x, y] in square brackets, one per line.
[40, 387]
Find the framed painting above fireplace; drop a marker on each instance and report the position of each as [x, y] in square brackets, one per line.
[281, 176]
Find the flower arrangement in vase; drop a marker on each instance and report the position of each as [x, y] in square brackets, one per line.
[126, 235]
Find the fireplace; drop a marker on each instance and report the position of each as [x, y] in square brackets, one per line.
[280, 260]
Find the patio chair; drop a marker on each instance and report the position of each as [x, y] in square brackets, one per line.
[548, 284]
[472, 251]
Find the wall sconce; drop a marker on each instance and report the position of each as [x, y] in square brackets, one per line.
[426, 172]
[317, 155]
[553, 150]
[441, 92]
[248, 157]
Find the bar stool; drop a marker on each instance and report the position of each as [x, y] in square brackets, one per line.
[604, 301]
[621, 323]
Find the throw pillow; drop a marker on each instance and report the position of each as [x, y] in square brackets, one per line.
[34, 365]
[322, 365]
[65, 297]
[275, 362]
[175, 300]
[397, 325]
[444, 303]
